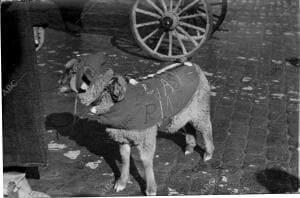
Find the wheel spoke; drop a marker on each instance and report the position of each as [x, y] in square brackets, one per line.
[177, 5]
[171, 5]
[187, 35]
[188, 7]
[149, 35]
[180, 42]
[215, 4]
[147, 24]
[145, 12]
[190, 16]
[192, 26]
[159, 42]
[163, 3]
[170, 43]
[150, 2]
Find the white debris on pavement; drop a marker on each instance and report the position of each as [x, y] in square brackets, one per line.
[277, 61]
[288, 34]
[294, 99]
[41, 64]
[156, 156]
[248, 88]
[52, 146]
[293, 92]
[93, 165]
[224, 179]
[51, 131]
[262, 97]
[212, 181]
[253, 59]
[275, 81]
[246, 188]
[112, 55]
[241, 57]
[246, 79]
[108, 174]
[59, 71]
[167, 163]
[278, 95]
[72, 154]
[173, 192]
[234, 190]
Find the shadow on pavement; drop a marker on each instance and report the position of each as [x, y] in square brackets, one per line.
[278, 181]
[126, 43]
[179, 139]
[92, 135]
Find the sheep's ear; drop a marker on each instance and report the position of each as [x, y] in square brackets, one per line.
[71, 63]
[117, 88]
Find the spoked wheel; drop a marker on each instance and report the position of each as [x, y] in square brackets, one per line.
[165, 28]
[219, 9]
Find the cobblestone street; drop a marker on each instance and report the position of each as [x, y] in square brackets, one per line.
[252, 64]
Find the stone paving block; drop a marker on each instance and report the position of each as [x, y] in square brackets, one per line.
[223, 112]
[227, 100]
[258, 111]
[258, 122]
[238, 128]
[275, 128]
[240, 117]
[274, 140]
[256, 143]
[203, 183]
[220, 135]
[180, 181]
[232, 157]
[293, 130]
[293, 117]
[294, 142]
[235, 142]
[277, 154]
[243, 107]
[254, 162]
[294, 158]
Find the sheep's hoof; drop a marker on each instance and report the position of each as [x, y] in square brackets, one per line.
[151, 192]
[189, 150]
[120, 185]
[207, 156]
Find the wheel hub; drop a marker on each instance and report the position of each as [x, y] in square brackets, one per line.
[169, 21]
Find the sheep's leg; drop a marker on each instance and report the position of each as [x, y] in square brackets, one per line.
[125, 155]
[190, 142]
[147, 150]
[204, 126]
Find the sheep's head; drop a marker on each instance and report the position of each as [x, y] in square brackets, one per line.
[76, 76]
[103, 91]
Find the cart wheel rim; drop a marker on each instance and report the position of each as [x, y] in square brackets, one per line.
[175, 38]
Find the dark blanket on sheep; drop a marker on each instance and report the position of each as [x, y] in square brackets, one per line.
[21, 95]
[153, 100]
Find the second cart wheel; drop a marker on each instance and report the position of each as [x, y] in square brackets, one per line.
[163, 28]
[219, 9]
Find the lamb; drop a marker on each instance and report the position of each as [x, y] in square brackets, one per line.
[135, 110]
